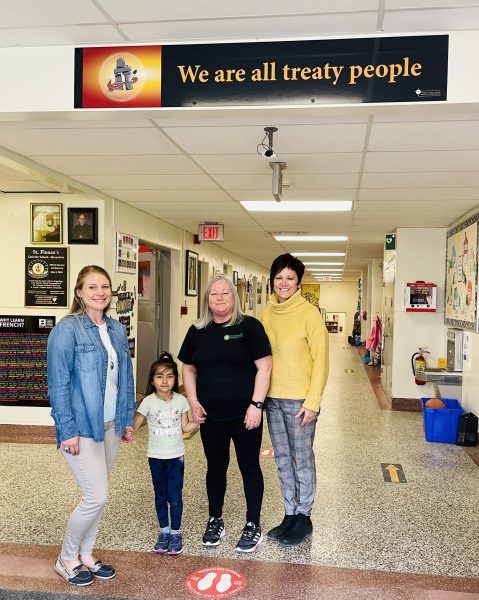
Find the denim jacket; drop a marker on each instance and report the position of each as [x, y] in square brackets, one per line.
[77, 372]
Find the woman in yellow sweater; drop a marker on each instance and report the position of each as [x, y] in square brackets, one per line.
[299, 344]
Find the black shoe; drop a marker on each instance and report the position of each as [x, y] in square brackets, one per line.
[250, 539]
[298, 531]
[215, 530]
[277, 532]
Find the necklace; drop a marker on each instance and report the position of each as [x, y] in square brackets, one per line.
[111, 359]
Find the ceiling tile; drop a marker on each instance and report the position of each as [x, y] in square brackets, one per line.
[148, 164]
[62, 35]
[151, 10]
[44, 142]
[418, 180]
[432, 19]
[270, 27]
[23, 13]
[148, 182]
[454, 135]
[457, 160]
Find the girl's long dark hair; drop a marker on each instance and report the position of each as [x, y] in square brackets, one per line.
[164, 360]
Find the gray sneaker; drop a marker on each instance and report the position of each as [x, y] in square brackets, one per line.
[163, 542]
[176, 544]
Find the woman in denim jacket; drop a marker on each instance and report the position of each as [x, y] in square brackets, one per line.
[91, 391]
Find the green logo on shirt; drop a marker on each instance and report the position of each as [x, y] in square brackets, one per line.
[234, 336]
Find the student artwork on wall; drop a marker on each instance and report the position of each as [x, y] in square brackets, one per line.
[82, 226]
[461, 275]
[46, 223]
[191, 274]
[310, 291]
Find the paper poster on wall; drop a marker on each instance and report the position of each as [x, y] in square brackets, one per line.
[461, 275]
[310, 291]
[46, 277]
[23, 359]
[126, 253]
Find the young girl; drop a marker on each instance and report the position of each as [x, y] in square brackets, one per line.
[165, 411]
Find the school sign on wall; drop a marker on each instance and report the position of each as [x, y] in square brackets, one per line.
[342, 71]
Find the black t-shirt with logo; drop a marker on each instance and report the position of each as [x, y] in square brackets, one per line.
[224, 360]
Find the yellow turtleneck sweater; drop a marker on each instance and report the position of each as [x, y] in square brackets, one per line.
[300, 348]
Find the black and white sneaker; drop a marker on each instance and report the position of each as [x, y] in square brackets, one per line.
[250, 539]
[215, 530]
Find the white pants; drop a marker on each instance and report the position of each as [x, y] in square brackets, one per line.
[91, 468]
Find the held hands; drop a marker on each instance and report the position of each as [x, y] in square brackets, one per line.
[308, 415]
[71, 446]
[199, 413]
[253, 417]
[127, 437]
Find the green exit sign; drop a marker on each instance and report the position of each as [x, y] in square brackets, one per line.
[390, 241]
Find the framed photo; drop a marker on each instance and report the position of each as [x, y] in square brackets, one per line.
[83, 225]
[461, 275]
[46, 223]
[191, 274]
[235, 277]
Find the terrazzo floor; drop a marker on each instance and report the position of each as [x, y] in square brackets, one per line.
[372, 539]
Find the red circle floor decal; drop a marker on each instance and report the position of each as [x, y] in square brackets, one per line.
[215, 582]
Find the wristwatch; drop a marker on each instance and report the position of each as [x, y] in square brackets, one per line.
[257, 404]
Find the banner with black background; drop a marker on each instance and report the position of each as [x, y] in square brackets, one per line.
[339, 71]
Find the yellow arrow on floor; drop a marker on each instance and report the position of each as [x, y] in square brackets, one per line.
[393, 473]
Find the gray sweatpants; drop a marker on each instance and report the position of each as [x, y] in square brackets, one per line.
[91, 468]
[293, 453]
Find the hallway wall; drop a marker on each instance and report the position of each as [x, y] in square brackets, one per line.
[340, 296]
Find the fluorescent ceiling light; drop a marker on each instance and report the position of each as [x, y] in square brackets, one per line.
[324, 270]
[331, 264]
[297, 205]
[310, 238]
[318, 253]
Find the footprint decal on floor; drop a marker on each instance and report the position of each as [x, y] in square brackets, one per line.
[207, 581]
[215, 582]
[224, 583]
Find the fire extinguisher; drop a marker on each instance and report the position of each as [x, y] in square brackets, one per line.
[418, 364]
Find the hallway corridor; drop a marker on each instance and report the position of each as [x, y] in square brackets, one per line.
[372, 539]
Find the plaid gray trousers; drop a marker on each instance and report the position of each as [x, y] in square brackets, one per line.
[293, 453]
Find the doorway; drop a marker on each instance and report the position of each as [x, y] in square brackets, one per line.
[153, 325]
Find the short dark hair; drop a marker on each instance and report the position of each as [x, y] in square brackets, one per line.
[164, 360]
[286, 261]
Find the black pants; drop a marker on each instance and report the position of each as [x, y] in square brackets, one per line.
[216, 438]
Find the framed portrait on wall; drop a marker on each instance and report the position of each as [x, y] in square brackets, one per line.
[46, 223]
[191, 274]
[83, 226]
[461, 275]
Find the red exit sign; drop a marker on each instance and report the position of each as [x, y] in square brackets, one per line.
[211, 233]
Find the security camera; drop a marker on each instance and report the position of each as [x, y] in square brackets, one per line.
[267, 152]
[265, 148]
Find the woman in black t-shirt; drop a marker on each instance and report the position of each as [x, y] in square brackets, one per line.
[226, 369]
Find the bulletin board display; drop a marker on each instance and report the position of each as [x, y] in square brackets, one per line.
[23, 359]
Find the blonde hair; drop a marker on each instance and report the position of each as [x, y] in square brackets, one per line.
[207, 316]
[77, 307]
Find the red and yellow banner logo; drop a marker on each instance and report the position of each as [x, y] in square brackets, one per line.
[119, 77]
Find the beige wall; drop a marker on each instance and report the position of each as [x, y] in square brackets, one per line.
[340, 296]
